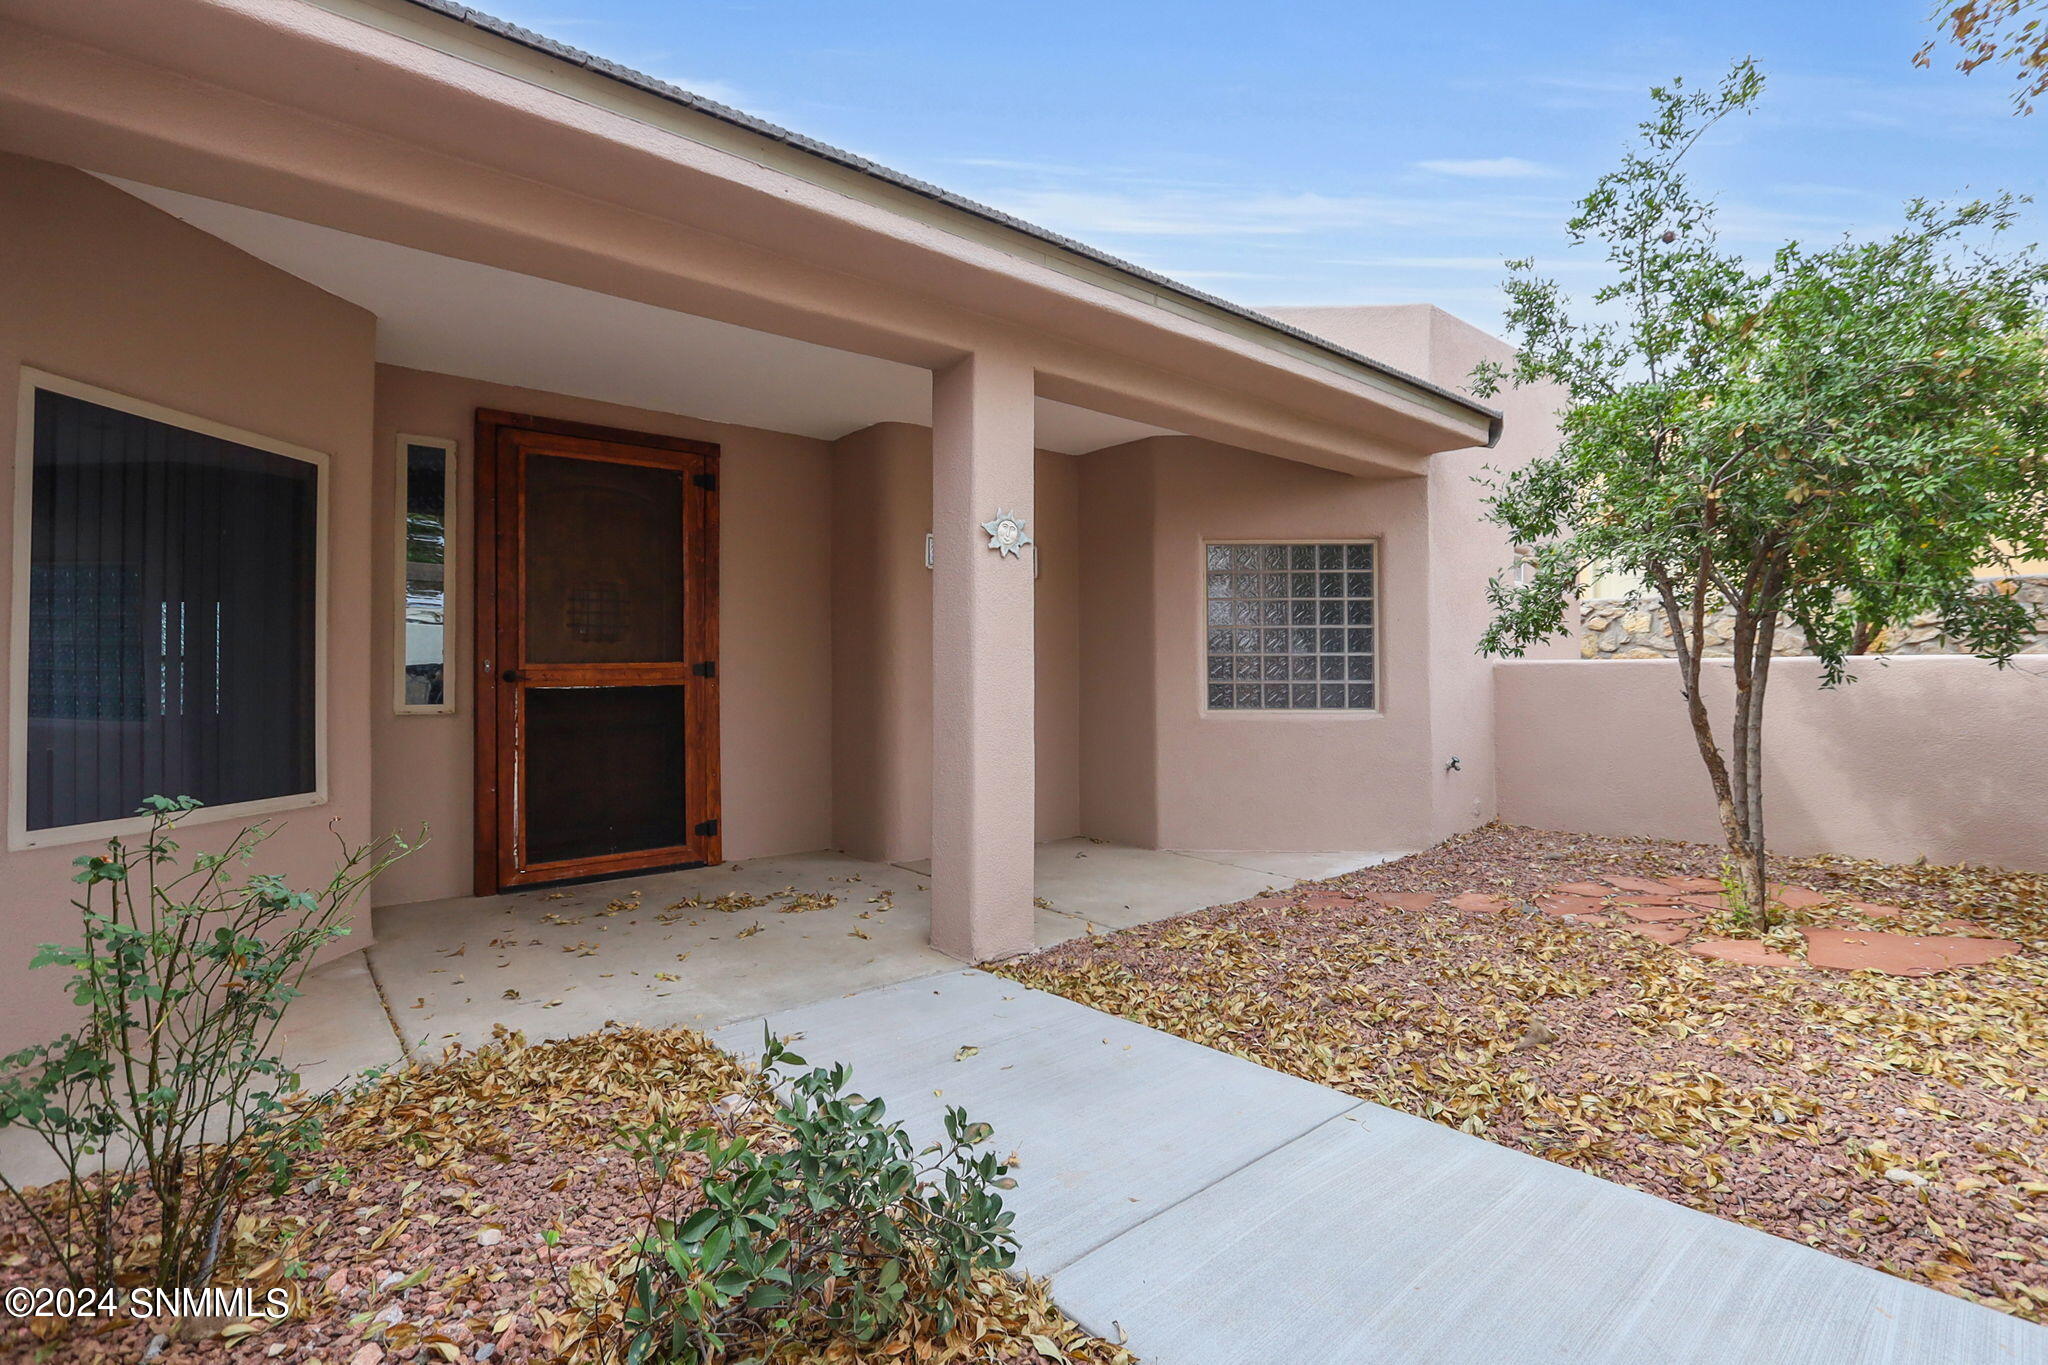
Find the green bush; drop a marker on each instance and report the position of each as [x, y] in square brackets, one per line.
[170, 1084]
[847, 1227]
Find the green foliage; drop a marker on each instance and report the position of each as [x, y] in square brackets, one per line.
[1844, 436]
[170, 1084]
[846, 1226]
[1838, 438]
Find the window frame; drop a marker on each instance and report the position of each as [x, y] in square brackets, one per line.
[1376, 711]
[451, 522]
[19, 836]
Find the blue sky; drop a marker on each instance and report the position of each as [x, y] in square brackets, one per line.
[1341, 153]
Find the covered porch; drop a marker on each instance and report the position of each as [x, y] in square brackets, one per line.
[707, 947]
[358, 231]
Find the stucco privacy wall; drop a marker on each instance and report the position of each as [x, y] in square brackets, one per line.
[882, 643]
[99, 287]
[1926, 754]
[775, 666]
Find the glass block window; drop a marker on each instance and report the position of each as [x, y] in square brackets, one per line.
[1292, 627]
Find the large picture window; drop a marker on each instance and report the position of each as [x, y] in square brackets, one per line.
[172, 597]
[1293, 627]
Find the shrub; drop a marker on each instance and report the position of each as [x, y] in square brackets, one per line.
[170, 1085]
[847, 1228]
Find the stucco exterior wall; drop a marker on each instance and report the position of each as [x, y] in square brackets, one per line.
[882, 644]
[1160, 771]
[1923, 755]
[775, 694]
[99, 287]
[1464, 552]
[1271, 780]
[1119, 648]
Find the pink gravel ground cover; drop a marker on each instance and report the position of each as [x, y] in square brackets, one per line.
[475, 1211]
[1899, 1121]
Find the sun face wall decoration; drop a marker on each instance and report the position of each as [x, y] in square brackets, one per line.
[1007, 533]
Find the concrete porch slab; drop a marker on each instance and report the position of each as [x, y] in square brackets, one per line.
[1109, 886]
[1301, 867]
[338, 1029]
[559, 962]
[1115, 1122]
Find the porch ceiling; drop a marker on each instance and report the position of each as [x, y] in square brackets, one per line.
[481, 322]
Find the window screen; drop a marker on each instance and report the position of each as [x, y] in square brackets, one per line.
[172, 580]
[1292, 627]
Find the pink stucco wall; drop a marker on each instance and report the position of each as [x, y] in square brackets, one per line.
[1924, 755]
[99, 287]
[1464, 552]
[775, 664]
[1280, 780]
[882, 644]
[1160, 771]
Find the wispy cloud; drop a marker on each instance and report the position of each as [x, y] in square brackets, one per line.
[1266, 214]
[1493, 264]
[1488, 168]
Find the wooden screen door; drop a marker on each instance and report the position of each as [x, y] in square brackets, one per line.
[597, 644]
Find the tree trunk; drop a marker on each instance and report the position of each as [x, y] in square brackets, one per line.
[1731, 789]
[1758, 876]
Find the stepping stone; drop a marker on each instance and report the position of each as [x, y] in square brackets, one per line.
[1692, 883]
[1637, 884]
[1268, 902]
[1797, 897]
[1662, 933]
[1876, 911]
[1403, 900]
[1660, 914]
[1705, 902]
[1572, 907]
[1581, 889]
[1473, 900]
[1744, 951]
[1849, 950]
[1327, 900]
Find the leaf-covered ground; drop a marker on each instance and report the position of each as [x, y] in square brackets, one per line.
[1900, 1122]
[422, 1230]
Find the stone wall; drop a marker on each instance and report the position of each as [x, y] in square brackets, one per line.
[1611, 629]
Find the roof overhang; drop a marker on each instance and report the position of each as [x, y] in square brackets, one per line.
[401, 120]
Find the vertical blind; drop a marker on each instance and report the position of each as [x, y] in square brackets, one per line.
[171, 645]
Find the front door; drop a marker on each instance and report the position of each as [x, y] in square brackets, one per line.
[597, 641]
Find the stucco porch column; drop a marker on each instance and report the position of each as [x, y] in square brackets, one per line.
[983, 777]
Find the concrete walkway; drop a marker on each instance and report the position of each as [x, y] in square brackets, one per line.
[1211, 1210]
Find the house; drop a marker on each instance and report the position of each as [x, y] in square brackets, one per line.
[420, 423]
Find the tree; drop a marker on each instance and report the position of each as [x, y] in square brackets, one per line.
[1837, 439]
[2010, 31]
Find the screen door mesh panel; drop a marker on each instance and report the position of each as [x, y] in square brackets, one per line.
[171, 643]
[604, 771]
[1292, 627]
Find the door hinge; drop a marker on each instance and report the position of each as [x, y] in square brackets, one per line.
[707, 669]
[707, 827]
[707, 482]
